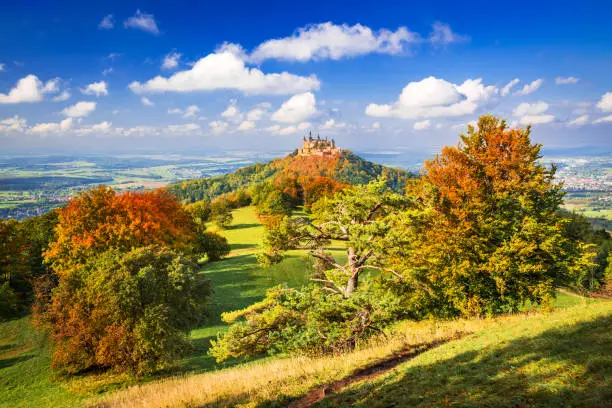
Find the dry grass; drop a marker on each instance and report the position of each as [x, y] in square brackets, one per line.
[284, 379]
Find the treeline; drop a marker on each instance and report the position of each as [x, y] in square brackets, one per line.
[346, 168]
[480, 233]
[111, 278]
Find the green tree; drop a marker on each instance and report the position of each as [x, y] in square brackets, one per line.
[129, 311]
[221, 213]
[486, 235]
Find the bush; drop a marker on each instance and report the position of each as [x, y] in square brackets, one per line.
[126, 311]
[214, 246]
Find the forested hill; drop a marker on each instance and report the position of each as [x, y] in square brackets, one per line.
[344, 168]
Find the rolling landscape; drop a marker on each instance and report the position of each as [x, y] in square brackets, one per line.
[382, 205]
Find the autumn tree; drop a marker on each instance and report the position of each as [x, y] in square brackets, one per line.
[122, 293]
[129, 311]
[486, 236]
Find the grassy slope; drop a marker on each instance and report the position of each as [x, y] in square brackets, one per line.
[25, 378]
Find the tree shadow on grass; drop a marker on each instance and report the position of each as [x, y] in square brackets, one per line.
[243, 226]
[569, 366]
[8, 362]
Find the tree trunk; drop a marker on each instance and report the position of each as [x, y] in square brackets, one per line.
[353, 279]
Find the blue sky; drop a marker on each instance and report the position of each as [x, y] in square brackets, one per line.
[192, 76]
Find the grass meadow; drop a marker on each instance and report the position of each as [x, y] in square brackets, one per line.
[532, 359]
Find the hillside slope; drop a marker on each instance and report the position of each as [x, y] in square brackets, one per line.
[527, 360]
[345, 168]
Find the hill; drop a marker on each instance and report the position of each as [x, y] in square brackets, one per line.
[345, 168]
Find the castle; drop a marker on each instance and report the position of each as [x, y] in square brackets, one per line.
[318, 147]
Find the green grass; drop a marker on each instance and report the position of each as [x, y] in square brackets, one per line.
[25, 378]
[558, 359]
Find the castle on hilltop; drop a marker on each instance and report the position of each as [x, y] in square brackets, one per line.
[318, 147]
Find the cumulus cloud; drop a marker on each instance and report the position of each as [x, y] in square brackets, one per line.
[422, 125]
[142, 21]
[2, 67]
[533, 113]
[605, 119]
[96, 88]
[226, 71]
[288, 130]
[579, 121]
[232, 112]
[218, 126]
[530, 108]
[296, 109]
[246, 125]
[191, 111]
[433, 97]
[530, 88]
[171, 61]
[605, 103]
[47, 128]
[13, 124]
[443, 35]
[107, 23]
[29, 89]
[566, 80]
[64, 96]
[146, 101]
[331, 41]
[80, 109]
[256, 114]
[506, 89]
[331, 124]
[185, 128]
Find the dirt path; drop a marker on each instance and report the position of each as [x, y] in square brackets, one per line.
[319, 393]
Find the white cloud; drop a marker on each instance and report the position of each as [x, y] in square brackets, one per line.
[605, 119]
[443, 35]
[96, 88]
[533, 113]
[218, 126]
[422, 125]
[232, 111]
[107, 71]
[47, 128]
[530, 88]
[64, 96]
[226, 71]
[256, 114]
[107, 23]
[296, 109]
[566, 81]
[331, 41]
[506, 89]
[29, 89]
[536, 119]
[579, 121]
[171, 61]
[80, 109]
[433, 97]
[246, 125]
[530, 108]
[185, 128]
[605, 103]
[2, 67]
[376, 125]
[288, 130]
[331, 124]
[14, 124]
[175, 111]
[98, 128]
[191, 111]
[146, 101]
[142, 21]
